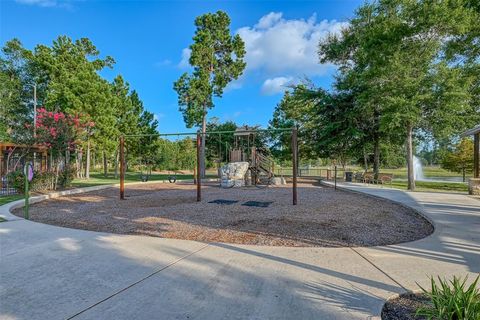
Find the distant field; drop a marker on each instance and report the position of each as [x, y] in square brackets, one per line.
[400, 177]
[433, 186]
[429, 172]
[399, 173]
[97, 178]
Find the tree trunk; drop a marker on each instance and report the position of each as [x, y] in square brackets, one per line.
[57, 173]
[87, 161]
[376, 156]
[365, 159]
[410, 173]
[105, 164]
[202, 151]
[79, 163]
[116, 164]
[463, 171]
[376, 144]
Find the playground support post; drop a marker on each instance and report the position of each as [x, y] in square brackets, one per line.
[122, 168]
[199, 173]
[294, 164]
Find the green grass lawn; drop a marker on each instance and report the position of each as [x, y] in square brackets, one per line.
[431, 186]
[97, 178]
[399, 173]
[437, 172]
[7, 199]
[400, 177]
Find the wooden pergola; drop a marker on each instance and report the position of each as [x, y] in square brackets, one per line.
[7, 148]
[475, 132]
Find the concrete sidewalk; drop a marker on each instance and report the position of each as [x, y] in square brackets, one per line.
[48, 272]
[453, 249]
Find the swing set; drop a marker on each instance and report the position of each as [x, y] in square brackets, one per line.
[244, 149]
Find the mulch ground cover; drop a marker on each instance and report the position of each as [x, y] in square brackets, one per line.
[323, 217]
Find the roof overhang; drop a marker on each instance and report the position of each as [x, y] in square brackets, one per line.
[471, 132]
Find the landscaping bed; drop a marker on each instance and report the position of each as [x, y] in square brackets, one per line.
[404, 307]
[324, 217]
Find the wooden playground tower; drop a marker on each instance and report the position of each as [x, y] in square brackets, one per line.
[259, 163]
[261, 166]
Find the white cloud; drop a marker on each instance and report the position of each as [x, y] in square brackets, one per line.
[279, 46]
[276, 85]
[268, 20]
[281, 51]
[185, 57]
[234, 85]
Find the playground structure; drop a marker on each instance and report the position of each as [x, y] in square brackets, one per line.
[261, 167]
[244, 149]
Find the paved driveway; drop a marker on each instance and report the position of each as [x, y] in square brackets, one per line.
[48, 272]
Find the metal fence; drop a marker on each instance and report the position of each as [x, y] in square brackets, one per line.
[6, 187]
[322, 173]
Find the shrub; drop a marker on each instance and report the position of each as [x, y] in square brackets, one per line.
[66, 177]
[17, 180]
[452, 300]
[41, 181]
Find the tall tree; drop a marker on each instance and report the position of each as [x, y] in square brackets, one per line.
[460, 159]
[393, 48]
[67, 78]
[68, 70]
[144, 147]
[219, 144]
[329, 124]
[217, 59]
[16, 93]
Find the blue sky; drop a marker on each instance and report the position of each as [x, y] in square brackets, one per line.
[149, 41]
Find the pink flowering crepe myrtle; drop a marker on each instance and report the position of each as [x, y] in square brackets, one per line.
[60, 131]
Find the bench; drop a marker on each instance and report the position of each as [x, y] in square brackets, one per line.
[369, 177]
[385, 178]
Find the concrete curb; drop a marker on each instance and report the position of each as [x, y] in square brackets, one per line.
[419, 211]
[398, 295]
[5, 210]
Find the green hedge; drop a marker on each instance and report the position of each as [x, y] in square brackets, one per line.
[42, 181]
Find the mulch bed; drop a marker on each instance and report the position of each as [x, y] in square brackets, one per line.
[324, 217]
[404, 307]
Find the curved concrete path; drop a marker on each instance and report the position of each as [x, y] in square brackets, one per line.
[49, 272]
